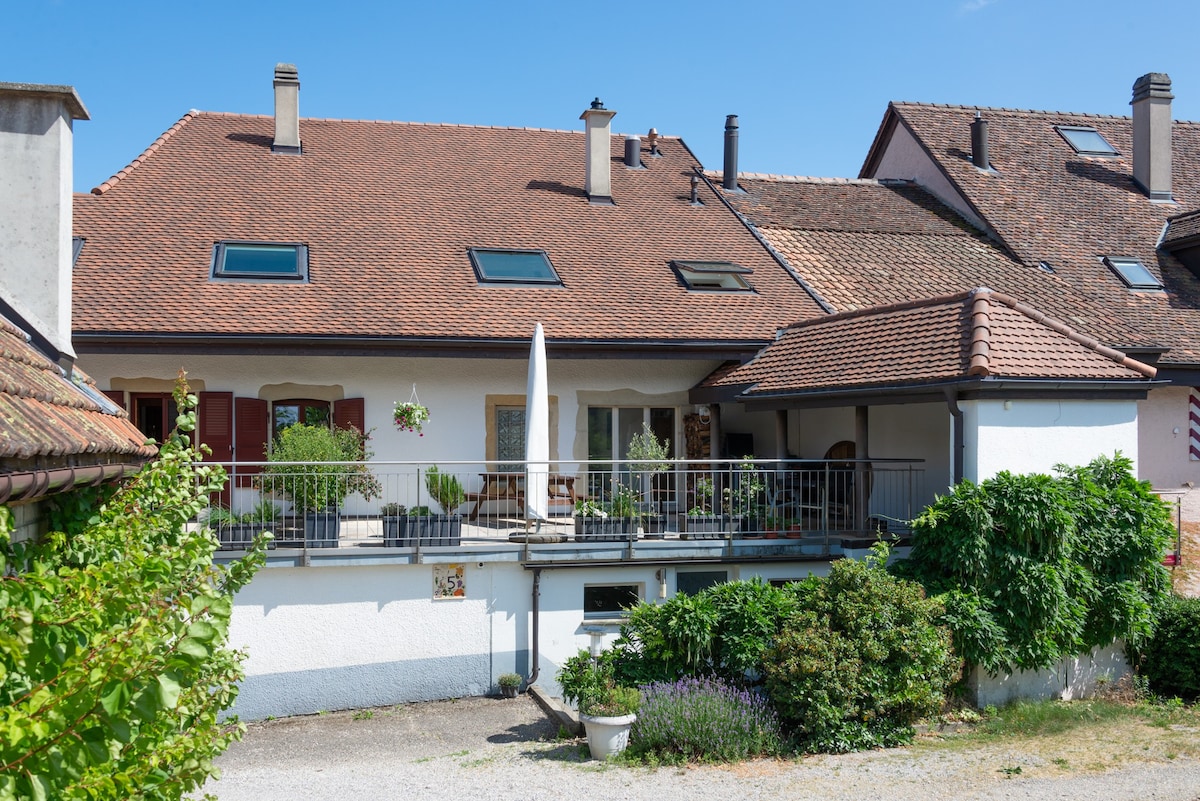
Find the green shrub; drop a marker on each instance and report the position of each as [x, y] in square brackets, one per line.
[1034, 568]
[724, 630]
[444, 488]
[861, 660]
[316, 482]
[1171, 658]
[591, 685]
[703, 719]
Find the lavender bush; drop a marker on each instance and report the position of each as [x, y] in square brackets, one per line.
[703, 719]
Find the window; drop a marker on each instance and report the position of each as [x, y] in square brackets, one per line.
[513, 266]
[609, 600]
[1086, 140]
[694, 581]
[289, 412]
[1132, 272]
[272, 261]
[610, 430]
[76, 248]
[153, 413]
[712, 276]
[510, 438]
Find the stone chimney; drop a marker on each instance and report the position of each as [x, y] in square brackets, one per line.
[287, 109]
[598, 180]
[1152, 135]
[36, 152]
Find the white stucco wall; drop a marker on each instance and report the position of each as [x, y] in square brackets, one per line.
[1163, 443]
[1028, 436]
[1071, 678]
[905, 159]
[323, 638]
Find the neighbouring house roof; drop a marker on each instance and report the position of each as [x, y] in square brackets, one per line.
[1182, 229]
[970, 339]
[864, 243]
[388, 212]
[1045, 202]
[55, 428]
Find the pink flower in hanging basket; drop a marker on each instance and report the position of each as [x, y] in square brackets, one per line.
[410, 417]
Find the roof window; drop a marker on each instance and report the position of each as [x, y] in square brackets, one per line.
[271, 261]
[1086, 140]
[495, 266]
[713, 276]
[1132, 272]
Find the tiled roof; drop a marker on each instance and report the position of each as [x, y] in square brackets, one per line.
[50, 421]
[976, 335]
[867, 243]
[1047, 203]
[388, 211]
[1181, 228]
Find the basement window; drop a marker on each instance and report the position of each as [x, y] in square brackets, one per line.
[1086, 140]
[495, 266]
[1132, 272]
[271, 261]
[609, 600]
[712, 276]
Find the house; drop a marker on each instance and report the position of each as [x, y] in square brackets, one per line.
[1104, 204]
[321, 270]
[59, 432]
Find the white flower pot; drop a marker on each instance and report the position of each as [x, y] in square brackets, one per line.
[607, 736]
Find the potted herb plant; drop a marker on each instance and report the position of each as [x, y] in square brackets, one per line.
[445, 528]
[743, 501]
[302, 464]
[701, 523]
[613, 521]
[510, 684]
[647, 455]
[606, 709]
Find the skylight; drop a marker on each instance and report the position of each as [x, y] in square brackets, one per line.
[1086, 140]
[273, 261]
[513, 266]
[712, 276]
[1133, 273]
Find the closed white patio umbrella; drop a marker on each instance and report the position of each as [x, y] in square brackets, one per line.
[537, 434]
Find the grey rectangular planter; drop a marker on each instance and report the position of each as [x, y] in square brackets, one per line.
[605, 529]
[428, 530]
[239, 536]
[322, 529]
[704, 527]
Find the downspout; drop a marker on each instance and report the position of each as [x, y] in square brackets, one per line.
[958, 436]
[537, 594]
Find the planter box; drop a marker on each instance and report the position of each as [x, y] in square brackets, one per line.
[605, 529]
[427, 531]
[754, 527]
[239, 536]
[322, 529]
[704, 527]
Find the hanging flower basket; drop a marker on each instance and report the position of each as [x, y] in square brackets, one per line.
[410, 416]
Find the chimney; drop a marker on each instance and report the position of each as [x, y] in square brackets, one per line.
[729, 180]
[287, 109]
[1152, 135]
[598, 180]
[633, 151]
[979, 143]
[36, 151]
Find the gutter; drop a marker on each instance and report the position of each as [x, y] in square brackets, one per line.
[33, 484]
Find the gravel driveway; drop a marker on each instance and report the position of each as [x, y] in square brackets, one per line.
[487, 748]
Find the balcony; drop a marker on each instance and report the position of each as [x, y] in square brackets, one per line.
[596, 511]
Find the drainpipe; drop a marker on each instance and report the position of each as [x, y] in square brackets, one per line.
[957, 424]
[537, 594]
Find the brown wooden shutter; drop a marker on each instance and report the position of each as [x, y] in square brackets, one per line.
[250, 435]
[216, 424]
[117, 396]
[350, 412]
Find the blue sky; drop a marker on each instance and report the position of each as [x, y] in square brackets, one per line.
[810, 82]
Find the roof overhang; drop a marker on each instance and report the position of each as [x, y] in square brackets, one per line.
[967, 389]
[456, 347]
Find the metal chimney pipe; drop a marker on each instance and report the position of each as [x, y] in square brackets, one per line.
[729, 180]
[979, 143]
[695, 190]
[633, 151]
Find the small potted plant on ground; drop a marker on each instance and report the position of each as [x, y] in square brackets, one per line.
[302, 464]
[510, 684]
[606, 709]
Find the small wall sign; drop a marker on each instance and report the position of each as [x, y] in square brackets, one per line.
[449, 582]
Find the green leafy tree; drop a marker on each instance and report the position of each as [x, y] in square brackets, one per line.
[114, 669]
